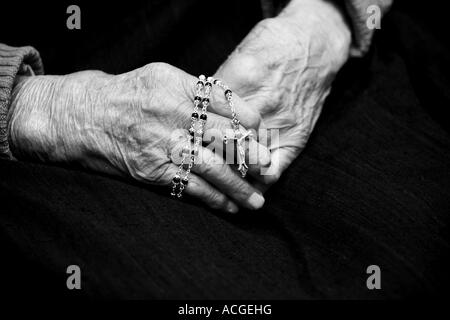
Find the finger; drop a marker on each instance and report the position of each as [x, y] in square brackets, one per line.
[281, 158]
[199, 188]
[259, 157]
[249, 117]
[242, 71]
[218, 126]
[261, 187]
[212, 167]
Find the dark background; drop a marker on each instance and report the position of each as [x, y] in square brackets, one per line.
[388, 111]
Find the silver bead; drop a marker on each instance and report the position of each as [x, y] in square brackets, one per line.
[202, 77]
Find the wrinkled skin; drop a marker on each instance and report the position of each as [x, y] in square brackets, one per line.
[130, 125]
[284, 68]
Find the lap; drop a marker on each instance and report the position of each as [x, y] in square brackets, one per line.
[370, 188]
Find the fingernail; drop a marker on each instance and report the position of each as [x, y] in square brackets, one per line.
[232, 208]
[256, 201]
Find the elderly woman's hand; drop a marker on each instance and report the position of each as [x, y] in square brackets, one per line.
[284, 68]
[129, 124]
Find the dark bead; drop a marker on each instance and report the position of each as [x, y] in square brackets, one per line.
[197, 98]
[200, 83]
[185, 181]
[205, 100]
[192, 139]
[193, 152]
[215, 81]
[192, 133]
[208, 84]
[176, 179]
[228, 91]
[203, 116]
[195, 115]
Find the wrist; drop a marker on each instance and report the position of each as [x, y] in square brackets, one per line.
[29, 133]
[321, 21]
[61, 119]
[48, 118]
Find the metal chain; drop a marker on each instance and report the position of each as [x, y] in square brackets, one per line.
[238, 136]
[179, 183]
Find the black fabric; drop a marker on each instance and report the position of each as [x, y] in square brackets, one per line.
[371, 187]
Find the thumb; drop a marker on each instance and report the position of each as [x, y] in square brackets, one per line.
[281, 159]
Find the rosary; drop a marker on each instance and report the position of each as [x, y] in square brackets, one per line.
[195, 136]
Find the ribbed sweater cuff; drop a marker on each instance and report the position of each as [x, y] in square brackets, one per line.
[13, 62]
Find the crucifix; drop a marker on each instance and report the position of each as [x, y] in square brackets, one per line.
[239, 141]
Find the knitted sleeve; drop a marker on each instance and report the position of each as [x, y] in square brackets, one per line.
[13, 62]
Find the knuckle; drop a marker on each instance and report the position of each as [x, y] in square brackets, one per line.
[217, 127]
[194, 184]
[268, 23]
[254, 120]
[158, 72]
[283, 34]
[217, 200]
[207, 169]
[246, 68]
[210, 168]
[242, 190]
[156, 67]
[276, 26]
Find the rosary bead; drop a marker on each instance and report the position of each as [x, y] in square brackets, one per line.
[228, 92]
[195, 135]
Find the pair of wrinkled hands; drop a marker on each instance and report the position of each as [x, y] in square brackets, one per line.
[123, 124]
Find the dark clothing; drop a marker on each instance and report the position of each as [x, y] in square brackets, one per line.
[371, 187]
